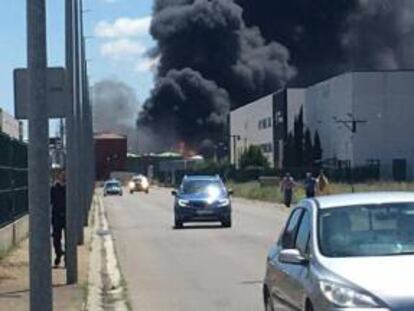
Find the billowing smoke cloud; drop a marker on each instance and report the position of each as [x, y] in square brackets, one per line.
[327, 37]
[381, 35]
[250, 48]
[210, 61]
[115, 107]
[312, 30]
[186, 107]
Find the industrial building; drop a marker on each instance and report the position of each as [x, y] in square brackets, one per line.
[110, 154]
[361, 117]
[364, 118]
[265, 123]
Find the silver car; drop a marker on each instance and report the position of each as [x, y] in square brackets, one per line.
[344, 252]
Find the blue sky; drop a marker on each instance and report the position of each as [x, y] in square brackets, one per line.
[116, 49]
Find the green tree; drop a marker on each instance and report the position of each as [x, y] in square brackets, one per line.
[317, 149]
[299, 140]
[253, 157]
[308, 149]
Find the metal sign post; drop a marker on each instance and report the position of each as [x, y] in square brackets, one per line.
[39, 200]
[71, 207]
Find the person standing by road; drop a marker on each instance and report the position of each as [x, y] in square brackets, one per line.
[311, 184]
[286, 187]
[58, 202]
[323, 184]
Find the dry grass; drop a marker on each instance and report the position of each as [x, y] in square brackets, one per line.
[254, 191]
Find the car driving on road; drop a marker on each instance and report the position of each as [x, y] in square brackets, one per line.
[112, 187]
[139, 183]
[201, 199]
[344, 252]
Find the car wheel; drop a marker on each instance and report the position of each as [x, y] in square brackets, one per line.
[131, 192]
[147, 191]
[178, 224]
[226, 223]
[268, 304]
[309, 306]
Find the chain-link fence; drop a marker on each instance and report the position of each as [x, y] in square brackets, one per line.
[13, 179]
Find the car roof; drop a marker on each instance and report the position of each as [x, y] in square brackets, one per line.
[112, 181]
[202, 177]
[364, 198]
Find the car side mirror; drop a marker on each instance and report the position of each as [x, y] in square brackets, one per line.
[292, 256]
[174, 193]
[230, 191]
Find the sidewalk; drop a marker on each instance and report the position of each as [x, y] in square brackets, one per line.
[14, 281]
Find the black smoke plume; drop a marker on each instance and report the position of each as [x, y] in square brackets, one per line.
[210, 62]
[250, 48]
[312, 30]
[381, 35]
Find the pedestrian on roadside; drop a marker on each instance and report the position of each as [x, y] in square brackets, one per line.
[311, 184]
[58, 202]
[286, 187]
[323, 183]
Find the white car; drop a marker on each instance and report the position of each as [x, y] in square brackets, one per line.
[139, 183]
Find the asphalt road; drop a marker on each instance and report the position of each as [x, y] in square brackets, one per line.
[198, 268]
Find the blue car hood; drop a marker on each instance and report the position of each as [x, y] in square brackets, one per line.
[202, 196]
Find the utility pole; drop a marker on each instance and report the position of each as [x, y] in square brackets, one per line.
[78, 120]
[84, 135]
[71, 193]
[352, 125]
[39, 191]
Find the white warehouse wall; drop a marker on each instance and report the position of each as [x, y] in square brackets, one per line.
[384, 100]
[325, 102]
[245, 122]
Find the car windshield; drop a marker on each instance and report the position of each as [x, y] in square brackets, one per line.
[139, 179]
[112, 184]
[371, 230]
[201, 186]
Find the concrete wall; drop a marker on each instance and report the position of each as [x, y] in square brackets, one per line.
[12, 234]
[325, 102]
[245, 122]
[384, 100]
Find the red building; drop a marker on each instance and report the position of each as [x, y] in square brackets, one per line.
[110, 154]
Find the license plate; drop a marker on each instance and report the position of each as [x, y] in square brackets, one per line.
[204, 212]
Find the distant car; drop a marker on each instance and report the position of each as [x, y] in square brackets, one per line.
[139, 183]
[344, 252]
[112, 187]
[201, 199]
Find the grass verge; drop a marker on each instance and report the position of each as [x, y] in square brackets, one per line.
[254, 191]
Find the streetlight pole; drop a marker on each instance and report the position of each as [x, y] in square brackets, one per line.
[71, 203]
[78, 122]
[39, 191]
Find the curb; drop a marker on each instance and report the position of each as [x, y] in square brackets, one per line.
[105, 288]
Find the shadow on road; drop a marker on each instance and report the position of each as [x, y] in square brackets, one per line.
[187, 227]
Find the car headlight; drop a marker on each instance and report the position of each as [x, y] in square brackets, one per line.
[183, 203]
[223, 202]
[346, 297]
[144, 184]
[131, 184]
